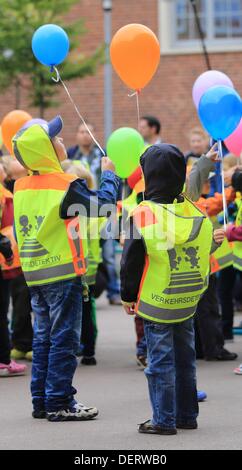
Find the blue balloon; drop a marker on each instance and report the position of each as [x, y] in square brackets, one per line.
[220, 111]
[50, 44]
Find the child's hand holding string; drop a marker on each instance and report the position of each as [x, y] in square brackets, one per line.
[107, 164]
[129, 307]
[213, 153]
[219, 235]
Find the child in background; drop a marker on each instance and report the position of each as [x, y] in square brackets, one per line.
[198, 142]
[208, 326]
[234, 233]
[164, 271]
[89, 324]
[21, 325]
[52, 246]
[8, 367]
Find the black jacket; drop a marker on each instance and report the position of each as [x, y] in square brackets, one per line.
[5, 247]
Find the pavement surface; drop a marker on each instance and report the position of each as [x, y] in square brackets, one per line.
[119, 389]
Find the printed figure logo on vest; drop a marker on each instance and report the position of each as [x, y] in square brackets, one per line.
[31, 247]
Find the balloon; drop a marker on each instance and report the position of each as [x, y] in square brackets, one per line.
[206, 80]
[50, 44]
[1, 139]
[220, 111]
[134, 177]
[124, 147]
[11, 124]
[135, 55]
[234, 141]
[39, 121]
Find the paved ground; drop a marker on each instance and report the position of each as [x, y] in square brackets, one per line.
[119, 390]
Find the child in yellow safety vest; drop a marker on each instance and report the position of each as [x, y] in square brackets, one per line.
[234, 233]
[164, 271]
[9, 264]
[50, 213]
[208, 324]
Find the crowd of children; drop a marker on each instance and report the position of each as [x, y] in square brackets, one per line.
[180, 270]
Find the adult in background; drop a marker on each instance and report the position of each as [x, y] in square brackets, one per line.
[150, 128]
[87, 152]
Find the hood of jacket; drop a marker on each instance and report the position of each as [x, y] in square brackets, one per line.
[164, 170]
[34, 150]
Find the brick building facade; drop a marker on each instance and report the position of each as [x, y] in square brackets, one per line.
[168, 96]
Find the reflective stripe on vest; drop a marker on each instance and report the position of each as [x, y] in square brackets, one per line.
[237, 262]
[177, 263]
[158, 312]
[222, 257]
[50, 249]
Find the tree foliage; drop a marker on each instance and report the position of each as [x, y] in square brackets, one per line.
[18, 21]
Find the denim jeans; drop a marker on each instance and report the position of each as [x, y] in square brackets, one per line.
[57, 309]
[108, 254]
[171, 372]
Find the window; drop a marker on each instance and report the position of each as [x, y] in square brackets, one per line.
[221, 23]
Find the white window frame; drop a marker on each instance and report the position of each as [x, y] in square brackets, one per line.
[166, 10]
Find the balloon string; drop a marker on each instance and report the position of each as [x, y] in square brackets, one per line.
[59, 79]
[136, 93]
[223, 185]
[137, 105]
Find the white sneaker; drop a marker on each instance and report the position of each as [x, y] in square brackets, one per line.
[78, 412]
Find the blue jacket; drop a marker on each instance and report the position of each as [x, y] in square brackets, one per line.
[78, 193]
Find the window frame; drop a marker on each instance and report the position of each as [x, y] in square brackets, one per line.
[169, 44]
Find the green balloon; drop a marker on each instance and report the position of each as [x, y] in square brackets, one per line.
[124, 147]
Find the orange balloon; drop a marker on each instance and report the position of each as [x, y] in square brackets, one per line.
[11, 124]
[135, 55]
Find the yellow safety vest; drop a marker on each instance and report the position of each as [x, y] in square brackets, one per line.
[178, 240]
[50, 249]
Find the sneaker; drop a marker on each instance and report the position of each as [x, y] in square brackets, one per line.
[141, 362]
[78, 412]
[115, 300]
[89, 361]
[8, 370]
[238, 370]
[201, 395]
[17, 354]
[223, 355]
[39, 414]
[148, 428]
[29, 356]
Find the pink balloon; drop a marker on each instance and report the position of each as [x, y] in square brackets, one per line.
[234, 141]
[206, 80]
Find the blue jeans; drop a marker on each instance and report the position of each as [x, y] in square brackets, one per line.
[108, 254]
[171, 372]
[57, 309]
[141, 347]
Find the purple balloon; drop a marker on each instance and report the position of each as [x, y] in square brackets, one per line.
[39, 121]
[206, 80]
